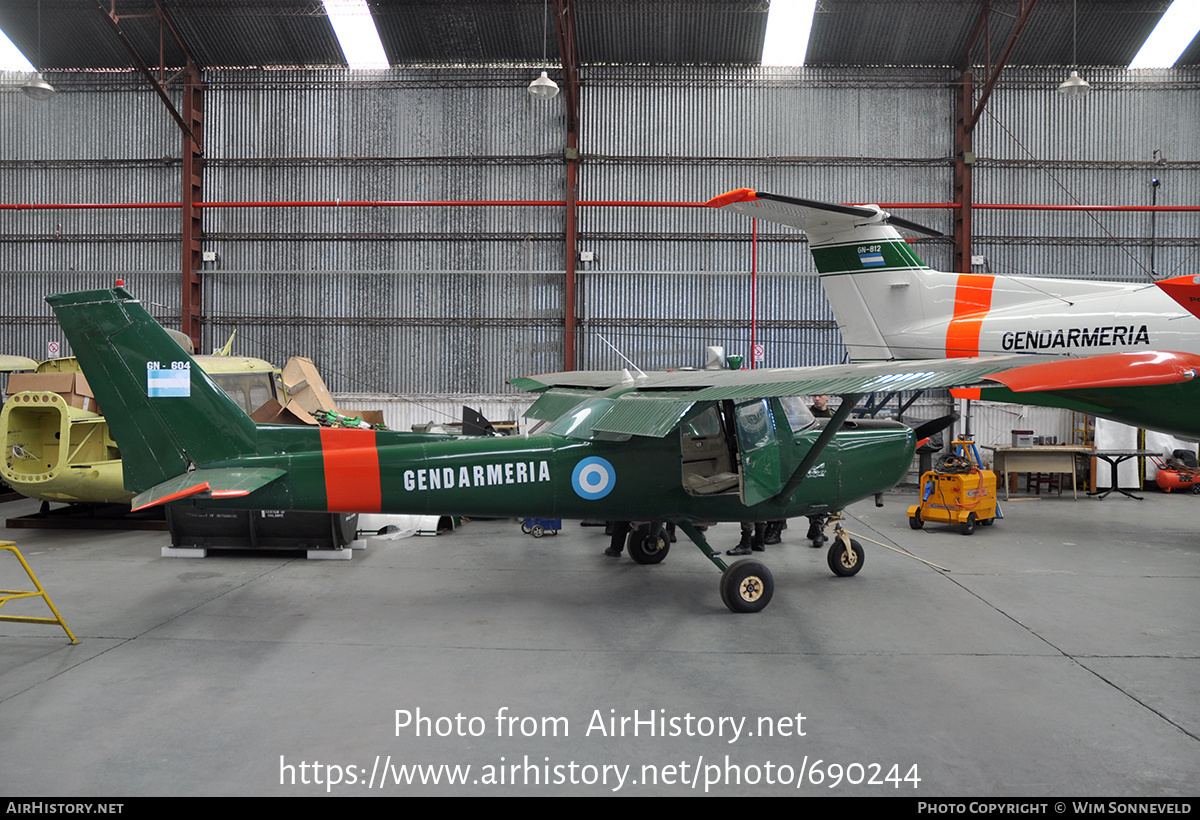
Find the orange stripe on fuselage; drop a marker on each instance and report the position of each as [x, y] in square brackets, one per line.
[972, 301]
[351, 470]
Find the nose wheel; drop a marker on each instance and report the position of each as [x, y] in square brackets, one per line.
[846, 556]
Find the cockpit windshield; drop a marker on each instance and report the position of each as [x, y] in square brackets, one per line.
[578, 424]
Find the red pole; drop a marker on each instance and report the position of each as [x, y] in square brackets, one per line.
[753, 287]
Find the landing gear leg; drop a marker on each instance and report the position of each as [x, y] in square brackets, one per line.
[711, 554]
[746, 586]
[846, 555]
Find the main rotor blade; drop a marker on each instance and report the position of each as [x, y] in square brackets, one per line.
[935, 426]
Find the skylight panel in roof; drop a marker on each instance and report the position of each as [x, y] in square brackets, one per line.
[11, 58]
[356, 33]
[1174, 32]
[789, 23]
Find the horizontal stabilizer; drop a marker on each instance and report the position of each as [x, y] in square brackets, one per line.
[230, 482]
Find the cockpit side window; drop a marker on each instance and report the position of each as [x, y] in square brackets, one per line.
[754, 425]
[798, 415]
[707, 423]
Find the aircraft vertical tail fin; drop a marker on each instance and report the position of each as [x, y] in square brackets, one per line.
[165, 413]
[875, 283]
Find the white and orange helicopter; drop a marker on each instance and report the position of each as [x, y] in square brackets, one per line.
[1131, 343]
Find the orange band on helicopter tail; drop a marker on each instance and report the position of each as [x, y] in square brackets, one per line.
[972, 300]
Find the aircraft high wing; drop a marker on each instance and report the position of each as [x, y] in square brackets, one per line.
[683, 447]
[891, 305]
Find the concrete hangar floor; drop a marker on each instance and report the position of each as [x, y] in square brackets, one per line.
[1059, 656]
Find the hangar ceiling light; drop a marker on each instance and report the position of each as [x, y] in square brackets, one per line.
[1074, 87]
[356, 33]
[789, 23]
[544, 88]
[1174, 32]
[36, 86]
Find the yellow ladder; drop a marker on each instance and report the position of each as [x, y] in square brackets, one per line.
[7, 595]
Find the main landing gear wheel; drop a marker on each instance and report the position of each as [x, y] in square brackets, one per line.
[646, 547]
[846, 562]
[747, 586]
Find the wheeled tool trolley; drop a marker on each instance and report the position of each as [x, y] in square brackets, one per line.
[957, 491]
[537, 527]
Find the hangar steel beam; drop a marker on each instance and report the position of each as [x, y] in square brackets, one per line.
[968, 111]
[191, 124]
[568, 49]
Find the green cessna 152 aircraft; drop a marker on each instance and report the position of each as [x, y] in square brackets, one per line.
[684, 447]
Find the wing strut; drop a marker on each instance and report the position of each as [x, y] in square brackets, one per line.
[831, 430]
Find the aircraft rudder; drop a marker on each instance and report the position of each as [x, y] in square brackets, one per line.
[164, 412]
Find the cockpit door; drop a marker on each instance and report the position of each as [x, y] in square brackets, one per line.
[762, 475]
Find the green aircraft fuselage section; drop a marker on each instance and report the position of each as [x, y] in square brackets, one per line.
[546, 476]
[172, 421]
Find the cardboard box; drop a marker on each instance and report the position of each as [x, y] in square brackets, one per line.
[73, 387]
[274, 413]
[305, 385]
[369, 416]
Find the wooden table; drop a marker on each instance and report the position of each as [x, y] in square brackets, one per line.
[1047, 458]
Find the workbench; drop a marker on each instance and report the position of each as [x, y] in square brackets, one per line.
[1046, 458]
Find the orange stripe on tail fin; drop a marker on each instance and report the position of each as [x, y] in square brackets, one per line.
[972, 301]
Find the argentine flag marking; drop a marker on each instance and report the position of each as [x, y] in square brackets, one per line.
[871, 260]
[168, 383]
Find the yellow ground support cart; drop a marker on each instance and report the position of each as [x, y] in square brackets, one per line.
[957, 491]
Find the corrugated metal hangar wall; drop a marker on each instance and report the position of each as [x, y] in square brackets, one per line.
[457, 298]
